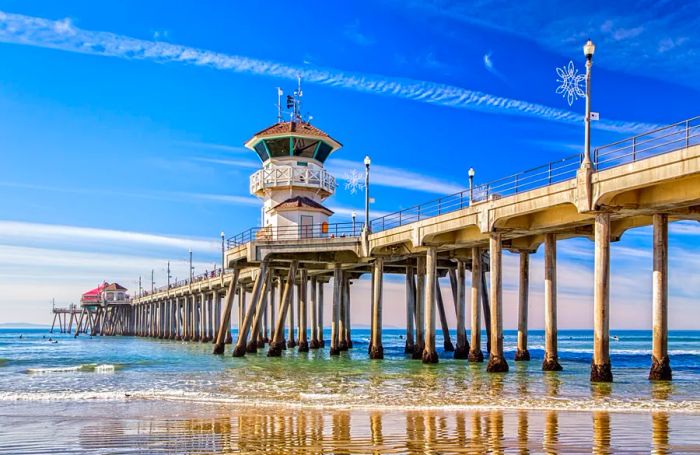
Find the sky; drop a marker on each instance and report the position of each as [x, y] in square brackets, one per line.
[122, 128]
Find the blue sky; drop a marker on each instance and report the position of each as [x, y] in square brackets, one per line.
[121, 125]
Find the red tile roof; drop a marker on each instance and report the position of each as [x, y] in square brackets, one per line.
[302, 202]
[115, 287]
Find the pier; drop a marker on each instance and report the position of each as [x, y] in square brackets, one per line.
[283, 270]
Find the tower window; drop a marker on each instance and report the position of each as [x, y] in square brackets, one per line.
[323, 151]
[278, 147]
[262, 151]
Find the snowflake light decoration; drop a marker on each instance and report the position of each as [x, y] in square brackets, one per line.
[354, 181]
[570, 83]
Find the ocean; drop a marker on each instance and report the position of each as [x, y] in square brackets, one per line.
[138, 395]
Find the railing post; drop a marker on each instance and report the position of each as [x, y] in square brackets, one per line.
[517, 177]
[634, 148]
[687, 133]
[549, 172]
[439, 205]
[461, 201]
[400, 218]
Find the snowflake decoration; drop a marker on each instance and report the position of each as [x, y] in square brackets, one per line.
[354, 181]
[570, 83]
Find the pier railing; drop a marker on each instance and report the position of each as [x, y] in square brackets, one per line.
[290, 233]
[179, 283]
[662, 140]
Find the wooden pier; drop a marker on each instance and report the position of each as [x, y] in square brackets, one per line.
[650, 179]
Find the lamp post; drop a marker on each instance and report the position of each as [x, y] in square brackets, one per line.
[368, 161]
[140, 288]
[223, 252]
[354, 215]
[191, 268]
[169, 275]
[471, 184]
[588, 51]
[153, 283]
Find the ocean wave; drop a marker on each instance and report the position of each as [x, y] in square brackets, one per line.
[501, 404]
[87, 367]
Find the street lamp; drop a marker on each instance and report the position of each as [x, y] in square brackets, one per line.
[223, 252]
[354, 215]
[191, 268]
[588, 51]
[368, 161]
[169, 275]
[471, 184]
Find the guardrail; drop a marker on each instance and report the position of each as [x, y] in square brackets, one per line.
[663, 140]
[195, 279]
[292, 233]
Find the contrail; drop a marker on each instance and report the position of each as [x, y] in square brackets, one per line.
[63, 35]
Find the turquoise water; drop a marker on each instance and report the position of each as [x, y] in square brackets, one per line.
[137, 395]
[112, 368]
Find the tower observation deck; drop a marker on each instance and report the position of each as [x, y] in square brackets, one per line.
[292, 182]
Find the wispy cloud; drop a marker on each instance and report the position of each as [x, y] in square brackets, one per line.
[36, 31]
[396, 177]
[226, 198]
[488, 64]
[656, 40]
[17, 232]
[209, 145]
[353, 32]
[248, 164]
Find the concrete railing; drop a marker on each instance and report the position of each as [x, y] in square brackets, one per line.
[663, 140]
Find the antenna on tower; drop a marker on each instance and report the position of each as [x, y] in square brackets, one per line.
[297, 99]
[279, 104]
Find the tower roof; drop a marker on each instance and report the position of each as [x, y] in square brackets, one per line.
[302, 202]
[300, 139]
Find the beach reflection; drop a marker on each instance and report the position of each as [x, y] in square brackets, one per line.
[297, 431]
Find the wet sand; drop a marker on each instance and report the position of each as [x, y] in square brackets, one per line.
[154, 426]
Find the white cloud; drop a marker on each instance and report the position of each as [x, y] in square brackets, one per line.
[395, 177]
[36, 31]
[248, 164]
[16, 232]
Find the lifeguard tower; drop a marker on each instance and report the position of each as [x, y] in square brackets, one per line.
[292, 182]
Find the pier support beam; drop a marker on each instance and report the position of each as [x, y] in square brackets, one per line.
[303, 305]
[319, 328]
[342, 319]
[313, 344]
[497, 362]
[291, 338]
[257, 304]
[475, 354]
[600, 367]
[225, 322]
[377, 350]
[241, 343]
[522, 354]
[551, 358]
[459, 294]
[429, 352]
[335, 336]
[660, 363]
[277, 344]
[410, 310]
[348, 328]
[447, 343]
[419, 293]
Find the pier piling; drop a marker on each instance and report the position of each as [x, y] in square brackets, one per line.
[377, 350]
[497, 362]
[429, 352]
[551, 361]
[522, 353]
[600, 367]
[660, 363]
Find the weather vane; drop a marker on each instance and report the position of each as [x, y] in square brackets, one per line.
[354, 181]
[570, 83]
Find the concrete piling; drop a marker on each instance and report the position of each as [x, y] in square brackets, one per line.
[377, 350]
[551, 360]
[475, 354]
[429, 352]
[522, 353]
[497, 362]
[660, 363]
[600, 367]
